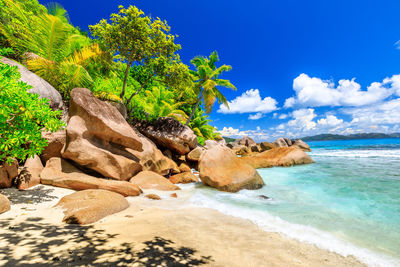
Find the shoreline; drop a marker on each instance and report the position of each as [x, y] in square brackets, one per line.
[144, 234]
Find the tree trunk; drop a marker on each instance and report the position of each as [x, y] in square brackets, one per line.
[195, 107]
[125, 79]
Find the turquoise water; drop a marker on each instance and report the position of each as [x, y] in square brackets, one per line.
[348, 201]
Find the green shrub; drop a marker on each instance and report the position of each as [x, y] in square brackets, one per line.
[22, 117]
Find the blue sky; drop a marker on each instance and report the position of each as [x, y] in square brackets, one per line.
[301, 67]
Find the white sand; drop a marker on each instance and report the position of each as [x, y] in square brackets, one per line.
[144, 235]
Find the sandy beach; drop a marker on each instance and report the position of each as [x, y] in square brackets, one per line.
[32, 234]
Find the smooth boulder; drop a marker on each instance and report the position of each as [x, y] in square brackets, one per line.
[98, 137]
[266, 146]
[220, 168]
[152, 180]
[4, 204]
[55, 144]
[169, 134]
[89, 206]
[7, 173]
[30, 174]
[245, 141]
[280, 156]
[195, 154]
[302, 145]
[281, 142]
[184, 178]
[40, 86]
[152, 159]
[60, 173]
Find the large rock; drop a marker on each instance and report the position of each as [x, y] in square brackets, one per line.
[60, 173]
[184, 178]
[280, 156]
[89, 206]
[241, 150]
[30, 174]
[7, 174]
[169, 134]
[245, 141]
[195, 154]
[302, 145]
[220, 168]
[40, 86]
[4, 204]
[152, 159]
[266, 146]
[56, 142]
[98, 137]
[152, 180]
[281, 142]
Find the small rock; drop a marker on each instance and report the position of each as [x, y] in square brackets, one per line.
[4, 204]
[263, 197]
[153, 197]
[174, 195]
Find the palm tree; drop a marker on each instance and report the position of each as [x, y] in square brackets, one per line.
[206, 82]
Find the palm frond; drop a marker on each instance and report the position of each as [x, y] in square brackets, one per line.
[225, 83]
[217, 72]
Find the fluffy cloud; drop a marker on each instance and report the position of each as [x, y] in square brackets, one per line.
[303, 119]
[314, 92]
[230, 131]
[256, 116]
[381, 114]
[249, 102]
[330, 120]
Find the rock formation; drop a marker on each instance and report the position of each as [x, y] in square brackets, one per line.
[280, 156]
[40, 86]
[89, 206]
[30, 174]
[98, 137]
[220, 168]
[56, 142]
[183, 178]
[152, 180]
[169, 134]
[4, 204]
[7, 174]
[59, 172]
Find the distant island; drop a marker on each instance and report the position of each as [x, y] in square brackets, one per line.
[326, 137]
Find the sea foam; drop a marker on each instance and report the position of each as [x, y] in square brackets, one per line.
[299, 232]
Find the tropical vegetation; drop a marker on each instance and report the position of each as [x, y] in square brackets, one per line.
[129, 58]
[22, 117]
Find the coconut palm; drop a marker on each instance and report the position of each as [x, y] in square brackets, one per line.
[206, 82]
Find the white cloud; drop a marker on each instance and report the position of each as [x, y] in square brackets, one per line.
[380, 114]
[249, 102]
[230, 131]
[330, 120]
[397, 44]
[303, 119]
[314, 92]
[283, 116]
[256, 116]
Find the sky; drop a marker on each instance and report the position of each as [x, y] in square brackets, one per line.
[301, 67]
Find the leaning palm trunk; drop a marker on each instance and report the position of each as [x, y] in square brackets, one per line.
[195, 108]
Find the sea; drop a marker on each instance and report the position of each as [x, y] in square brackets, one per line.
[347, 202]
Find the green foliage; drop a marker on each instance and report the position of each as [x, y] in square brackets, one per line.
[22, 117]
[136, 39]
[61, 54]
[207, 79]
[6, 51]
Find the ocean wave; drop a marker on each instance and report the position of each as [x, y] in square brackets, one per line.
[301, 233]
[355, 153]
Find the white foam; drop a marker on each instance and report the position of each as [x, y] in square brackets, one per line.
[301, 233]
[352, 153]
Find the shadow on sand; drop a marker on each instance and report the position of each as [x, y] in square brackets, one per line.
[41, 244]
